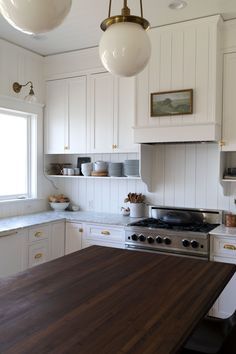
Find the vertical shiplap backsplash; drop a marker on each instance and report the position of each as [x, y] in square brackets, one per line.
[184, 175]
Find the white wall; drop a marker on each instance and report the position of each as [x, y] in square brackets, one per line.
[18, 64]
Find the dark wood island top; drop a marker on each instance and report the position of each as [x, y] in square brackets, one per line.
[107, 301]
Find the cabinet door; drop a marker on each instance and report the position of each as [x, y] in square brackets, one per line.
[73, 237]
[77, 135]
[57, 240]
[13, 257]
[102, 112]
[229, 103]
[56, 116]
[124, 115]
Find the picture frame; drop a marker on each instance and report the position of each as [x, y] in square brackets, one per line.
[172, 103]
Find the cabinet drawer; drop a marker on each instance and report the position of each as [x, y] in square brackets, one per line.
[225, 247]
[39, 233]
[38, 253]
[105, 233]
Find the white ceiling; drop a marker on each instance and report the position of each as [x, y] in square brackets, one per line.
[81, 28]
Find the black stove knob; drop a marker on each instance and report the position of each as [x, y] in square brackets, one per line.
[134, 237]
[186, 243]
[167, 240]
[142, 238]
[159, 239]
[194, 244]
[150, 239]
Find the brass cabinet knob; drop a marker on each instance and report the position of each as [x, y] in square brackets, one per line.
[105, 232]
[222, 143]
[114, 146]
[38, 234]
[81, 230]
[66, 148]
[230, 247]
[38, 255]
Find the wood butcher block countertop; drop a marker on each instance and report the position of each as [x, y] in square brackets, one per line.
[107, 301]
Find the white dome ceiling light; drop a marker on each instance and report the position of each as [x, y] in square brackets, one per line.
[177, 5]
[125, 47]
[35, 16]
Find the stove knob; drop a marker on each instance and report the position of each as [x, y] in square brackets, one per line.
[150, 239]
[158, 239]
[134, 237]
[186, 243]
[194, 244]
[142, 238]
[167, 241]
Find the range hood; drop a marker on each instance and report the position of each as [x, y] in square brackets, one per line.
[205, 132]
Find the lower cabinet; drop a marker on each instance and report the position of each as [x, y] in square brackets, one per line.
[13, 255]
[223, 249]
[103, 235]
[74, 233]
[29, 247]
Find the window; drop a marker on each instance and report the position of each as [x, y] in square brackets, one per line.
[17, 155]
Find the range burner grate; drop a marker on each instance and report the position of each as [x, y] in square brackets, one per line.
[159, 224]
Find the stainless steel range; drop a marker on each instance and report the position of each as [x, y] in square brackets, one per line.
[177, 231]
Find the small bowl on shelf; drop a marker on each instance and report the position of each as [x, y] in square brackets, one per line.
[59, 206]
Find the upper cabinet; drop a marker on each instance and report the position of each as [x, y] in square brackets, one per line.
[229, 103]
[112, 112]
[184, 56]
[66, 116]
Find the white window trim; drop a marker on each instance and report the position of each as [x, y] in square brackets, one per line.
[35, 111]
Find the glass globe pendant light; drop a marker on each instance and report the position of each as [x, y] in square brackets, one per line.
[35, 16]
[125, 47]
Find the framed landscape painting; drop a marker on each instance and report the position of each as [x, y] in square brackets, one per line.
[171, 103]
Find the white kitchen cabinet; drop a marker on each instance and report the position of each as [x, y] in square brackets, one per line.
[112, 112]
[223, 249]
[13, 257]
[38, 253]
[103, 235]
[57, 240]
[74, 233]
[66, 116]
[229, 103]
[185, 55]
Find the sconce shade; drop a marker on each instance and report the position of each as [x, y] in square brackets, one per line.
[35, 16]
[125, 48]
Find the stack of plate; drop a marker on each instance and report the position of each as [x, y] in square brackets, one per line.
[115, 169]
[131, 168]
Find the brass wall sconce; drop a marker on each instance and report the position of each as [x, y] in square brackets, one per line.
[31, 96]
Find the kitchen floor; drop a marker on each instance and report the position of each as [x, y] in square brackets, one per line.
[230, 347]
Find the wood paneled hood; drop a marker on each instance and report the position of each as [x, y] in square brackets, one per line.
[186, 55]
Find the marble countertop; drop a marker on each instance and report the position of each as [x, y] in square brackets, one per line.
[22, 221]
[222, 230]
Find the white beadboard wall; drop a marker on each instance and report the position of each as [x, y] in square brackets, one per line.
[184, 175]
[18, 64]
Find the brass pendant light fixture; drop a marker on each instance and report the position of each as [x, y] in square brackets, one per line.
[125, 47]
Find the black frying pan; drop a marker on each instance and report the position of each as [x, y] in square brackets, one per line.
[181, 218]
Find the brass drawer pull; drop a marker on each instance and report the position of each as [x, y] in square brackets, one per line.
[38, 234]
[81, 230]
[105, 232]
[38, 255]
[230, 247]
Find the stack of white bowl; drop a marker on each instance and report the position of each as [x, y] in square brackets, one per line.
[115, 169]
[86, 168]
[131, 168]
